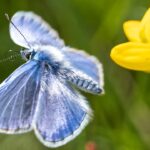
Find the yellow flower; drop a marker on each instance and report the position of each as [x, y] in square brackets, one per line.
[135, 54]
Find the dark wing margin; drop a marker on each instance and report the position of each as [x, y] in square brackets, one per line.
[18, 99]
[62, 113]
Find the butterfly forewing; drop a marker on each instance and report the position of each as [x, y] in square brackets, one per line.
[18, 98]
[34, 29]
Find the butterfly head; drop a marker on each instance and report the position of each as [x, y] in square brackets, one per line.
[27, 54]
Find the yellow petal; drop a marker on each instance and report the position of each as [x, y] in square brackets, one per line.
[145, 27]
[131, 55]
[132, 30]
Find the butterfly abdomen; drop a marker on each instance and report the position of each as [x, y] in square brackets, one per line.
[81, 82]
[86, 84]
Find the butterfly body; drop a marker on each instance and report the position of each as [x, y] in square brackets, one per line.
[42, 95]
[57, 63]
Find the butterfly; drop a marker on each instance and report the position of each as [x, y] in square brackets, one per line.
[42, 94]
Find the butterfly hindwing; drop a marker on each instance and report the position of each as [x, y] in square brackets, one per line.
[61, 113]
[88, 72]
[18, 98]
[34, 29]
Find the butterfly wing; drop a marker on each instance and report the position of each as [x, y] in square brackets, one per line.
[86, 67]
[18, 98]
[61, 113]
[35, 30]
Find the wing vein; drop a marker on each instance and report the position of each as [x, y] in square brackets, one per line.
[12, 109]
[21, 112]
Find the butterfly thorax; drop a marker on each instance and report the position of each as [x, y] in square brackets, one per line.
[48, 55]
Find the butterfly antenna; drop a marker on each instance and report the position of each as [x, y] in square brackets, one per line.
[7, 17]
[15, 51]
[9, 58]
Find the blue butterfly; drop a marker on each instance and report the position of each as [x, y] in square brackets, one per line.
[41, 94]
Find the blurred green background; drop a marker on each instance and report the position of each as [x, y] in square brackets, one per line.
[122, 115]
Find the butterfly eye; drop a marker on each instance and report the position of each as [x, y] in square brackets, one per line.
[26, 55]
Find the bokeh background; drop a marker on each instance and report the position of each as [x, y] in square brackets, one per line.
[121, 116]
